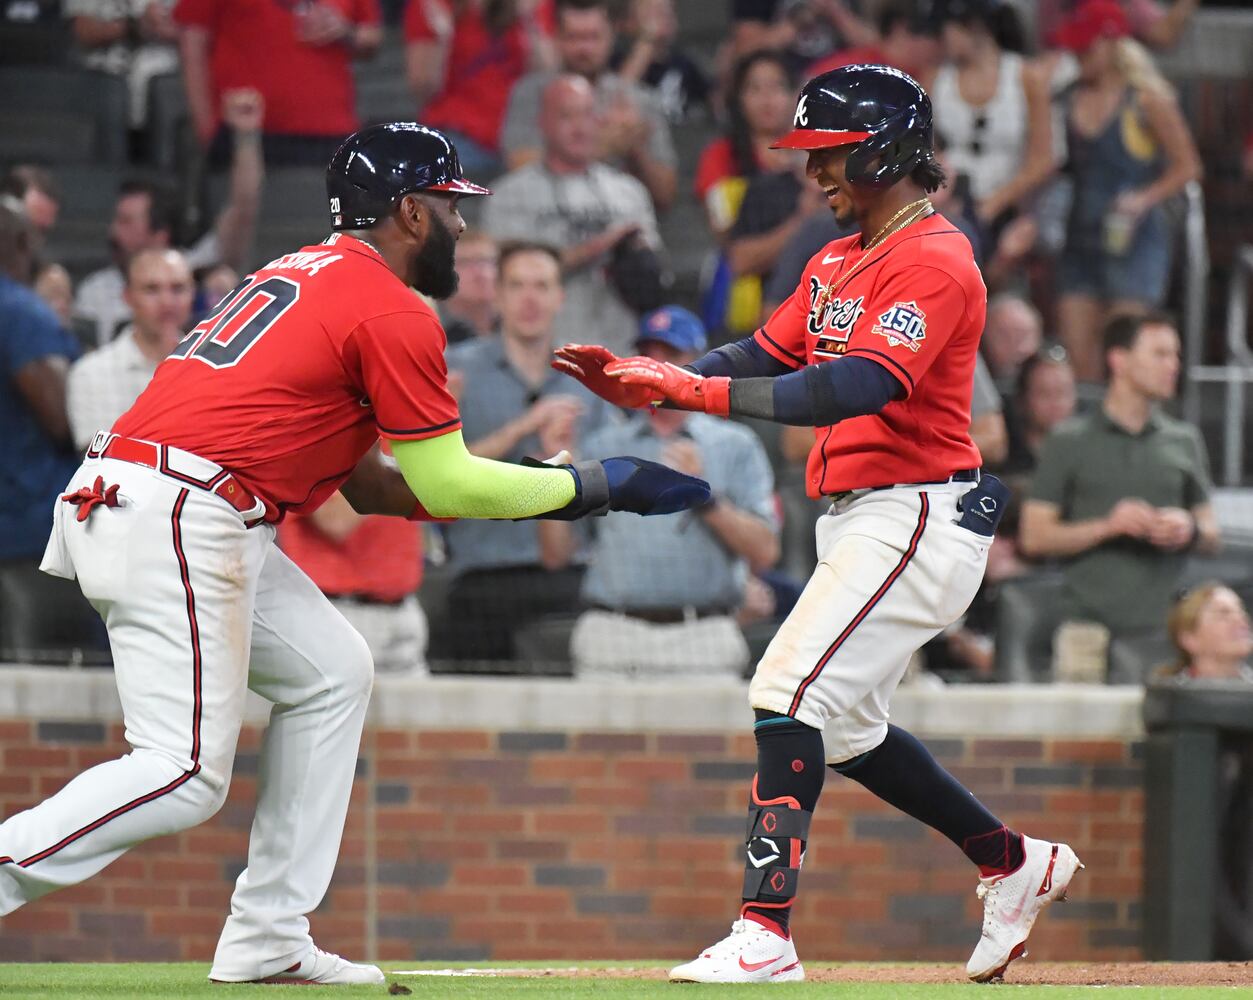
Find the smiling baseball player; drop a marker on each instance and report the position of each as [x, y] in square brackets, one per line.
[271, 404]
[876, 351]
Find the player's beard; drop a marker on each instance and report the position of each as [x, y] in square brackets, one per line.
[434, 268]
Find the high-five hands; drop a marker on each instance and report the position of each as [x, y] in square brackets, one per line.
[680, 387]
[586, 363]
[639, 382]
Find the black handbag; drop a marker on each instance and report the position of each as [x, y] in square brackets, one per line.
[635, 272]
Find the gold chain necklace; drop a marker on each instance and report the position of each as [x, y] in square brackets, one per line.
[916, 207]
[921, 208]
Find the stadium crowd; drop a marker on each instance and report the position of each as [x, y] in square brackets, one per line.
[1067, 154]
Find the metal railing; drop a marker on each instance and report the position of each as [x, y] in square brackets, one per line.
[1236, 372]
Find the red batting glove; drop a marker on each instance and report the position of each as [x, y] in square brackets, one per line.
[683, 388]
[587, 365]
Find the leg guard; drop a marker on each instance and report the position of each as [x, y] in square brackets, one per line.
[774, 850]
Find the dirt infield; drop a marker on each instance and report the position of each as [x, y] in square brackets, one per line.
[1026, 973]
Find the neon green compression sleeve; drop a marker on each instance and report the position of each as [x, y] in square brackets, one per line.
[450, 482]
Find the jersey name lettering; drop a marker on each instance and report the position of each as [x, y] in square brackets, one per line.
[303, 261]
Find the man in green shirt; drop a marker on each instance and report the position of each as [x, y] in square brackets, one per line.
[1122, 494]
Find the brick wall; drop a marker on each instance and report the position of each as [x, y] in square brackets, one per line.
[569, 845]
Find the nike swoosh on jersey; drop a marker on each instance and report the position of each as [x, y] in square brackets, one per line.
[828, 259]
[754, 966]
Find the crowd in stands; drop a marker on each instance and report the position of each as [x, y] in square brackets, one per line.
[1066, 151]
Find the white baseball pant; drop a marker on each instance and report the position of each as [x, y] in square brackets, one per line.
[200, 608]
[894, 569]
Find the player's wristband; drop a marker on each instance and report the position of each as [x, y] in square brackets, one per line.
[591, 491]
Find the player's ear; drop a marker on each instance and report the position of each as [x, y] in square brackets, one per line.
[413, 217]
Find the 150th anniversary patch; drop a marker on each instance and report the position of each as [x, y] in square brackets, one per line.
[904, 325]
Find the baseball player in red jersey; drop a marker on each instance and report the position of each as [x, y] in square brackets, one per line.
[271, 404]
[876, 351]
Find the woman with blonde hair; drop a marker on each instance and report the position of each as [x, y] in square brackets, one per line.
[1130, 151]
[1209, 627]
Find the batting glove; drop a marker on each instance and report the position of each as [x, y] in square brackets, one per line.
[680, 387]
[586, 363]
[630, 484]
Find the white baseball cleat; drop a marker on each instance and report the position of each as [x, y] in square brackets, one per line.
[319, 968]
[749, 954]
[1012, 902]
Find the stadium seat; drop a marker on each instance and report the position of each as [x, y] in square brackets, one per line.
[46, 618]
[80, 238]
[1026, 617]
[382, 90]
[170, 139]
[97, 100]
[544, 646]
[45, 137]
[1232, 566]
[293, 211]
[1135, 661]
[36, 43]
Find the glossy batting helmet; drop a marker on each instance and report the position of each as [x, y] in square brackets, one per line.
[375, 167]
[884, 111]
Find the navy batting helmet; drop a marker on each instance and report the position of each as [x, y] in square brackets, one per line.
[884, 111]
[375, 167]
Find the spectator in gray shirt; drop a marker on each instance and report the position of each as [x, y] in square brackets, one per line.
[633, 133]
[584, 207]
[508, 573]
[103, 384]
[663, 596]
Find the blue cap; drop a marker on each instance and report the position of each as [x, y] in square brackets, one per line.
[675, 326]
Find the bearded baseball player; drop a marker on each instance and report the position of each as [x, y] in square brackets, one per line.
[876, 351]
[271, 404]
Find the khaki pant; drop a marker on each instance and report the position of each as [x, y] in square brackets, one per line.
[608, 644]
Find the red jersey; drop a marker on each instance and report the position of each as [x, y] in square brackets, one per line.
[480, 68]
[381, 559]
[914, 304]
[308, 89]
[296, 373]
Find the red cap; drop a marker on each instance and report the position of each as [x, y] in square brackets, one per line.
[1092, 20]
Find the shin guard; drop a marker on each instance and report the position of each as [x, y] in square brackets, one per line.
[774, 851]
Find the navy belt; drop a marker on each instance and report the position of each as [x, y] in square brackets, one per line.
[961, 476]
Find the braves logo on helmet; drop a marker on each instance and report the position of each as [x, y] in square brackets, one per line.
[801, 118]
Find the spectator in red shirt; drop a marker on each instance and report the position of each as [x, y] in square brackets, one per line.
[906, 40]
[370, 566]
[462, 58]
[297, 54]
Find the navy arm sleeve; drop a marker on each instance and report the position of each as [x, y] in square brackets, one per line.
[742, 359]
[818, 395]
